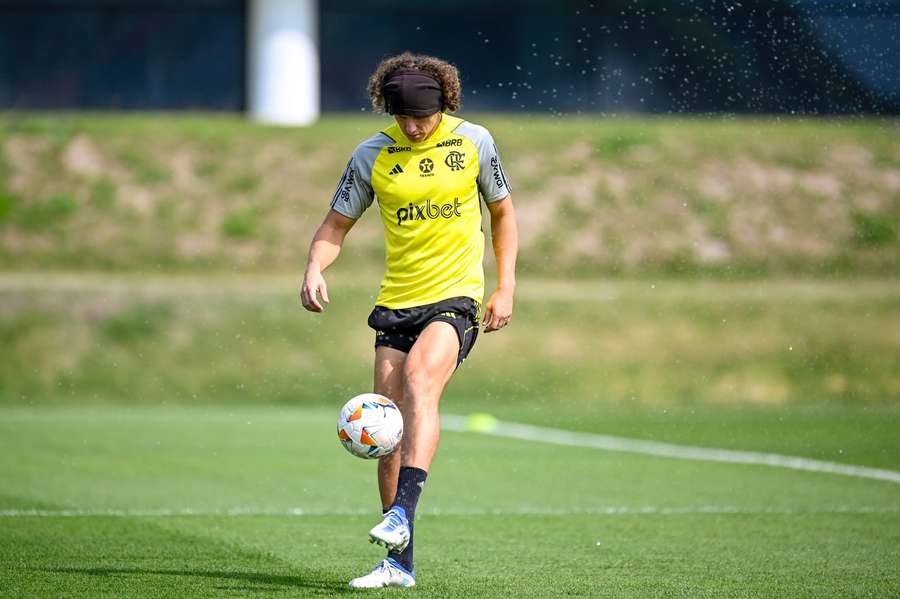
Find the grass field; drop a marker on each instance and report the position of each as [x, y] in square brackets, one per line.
[174, 436]
[167, 409]
[499, 518]
[101, 338]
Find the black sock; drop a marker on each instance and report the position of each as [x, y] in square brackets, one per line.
[405, 557]
[409, 487]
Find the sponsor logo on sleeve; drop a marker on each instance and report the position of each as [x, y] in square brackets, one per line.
[348, 185]
[498, 174]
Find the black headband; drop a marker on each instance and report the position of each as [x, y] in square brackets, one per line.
[412, 93]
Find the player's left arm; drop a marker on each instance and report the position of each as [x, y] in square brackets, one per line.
[505, 237]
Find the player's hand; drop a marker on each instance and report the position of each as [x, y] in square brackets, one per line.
[498, 310]
[313, 285]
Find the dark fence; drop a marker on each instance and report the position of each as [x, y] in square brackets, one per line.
[801, 56]
[96, 54]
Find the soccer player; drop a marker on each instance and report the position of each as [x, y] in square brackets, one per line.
[429, 170]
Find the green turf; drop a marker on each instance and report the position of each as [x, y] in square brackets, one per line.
[210, 394]
[473, 539]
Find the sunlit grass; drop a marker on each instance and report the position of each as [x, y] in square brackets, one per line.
[595, 523]
[190, 339]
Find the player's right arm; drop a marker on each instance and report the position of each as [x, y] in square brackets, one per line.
[353, 195]
[324, 249]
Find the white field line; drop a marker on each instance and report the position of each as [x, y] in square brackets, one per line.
[521, 511]
[527, 432]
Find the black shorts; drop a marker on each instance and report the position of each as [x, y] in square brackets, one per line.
[400, 328]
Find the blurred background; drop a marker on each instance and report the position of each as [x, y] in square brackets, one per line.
[708, 199]
[786, 57]
[744, 156]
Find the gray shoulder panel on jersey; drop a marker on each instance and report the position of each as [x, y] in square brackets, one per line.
[492, 181]
[354, 192]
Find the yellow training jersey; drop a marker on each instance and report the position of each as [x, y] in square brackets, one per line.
[428, 196]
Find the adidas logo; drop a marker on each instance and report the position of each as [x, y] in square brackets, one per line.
[396, 170]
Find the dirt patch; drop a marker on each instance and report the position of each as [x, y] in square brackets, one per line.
[890, 180]
[588, 242]
[822, 184]
[23, 155]
[16, 243]
[532, 217]
[577, 152]
[195, 246]
[712, 251]
[248, 253]
[850, 157]
[139, 199]
[644, 154]
[182, 165]
[870, 202]
[615, 181]
[82, 157]
[764, 178]
[714, 182]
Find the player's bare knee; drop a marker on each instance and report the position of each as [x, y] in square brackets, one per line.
[417, 382]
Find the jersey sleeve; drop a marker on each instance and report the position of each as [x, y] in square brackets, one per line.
[492, 182]
[354, 192]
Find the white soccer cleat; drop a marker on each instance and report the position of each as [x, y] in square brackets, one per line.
[392, 532]
[386, 574]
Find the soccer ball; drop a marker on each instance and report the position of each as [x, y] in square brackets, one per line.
[370, 426]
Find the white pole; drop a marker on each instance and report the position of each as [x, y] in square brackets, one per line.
[283, 61]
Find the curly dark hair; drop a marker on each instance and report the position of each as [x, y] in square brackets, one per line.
[445, 73]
